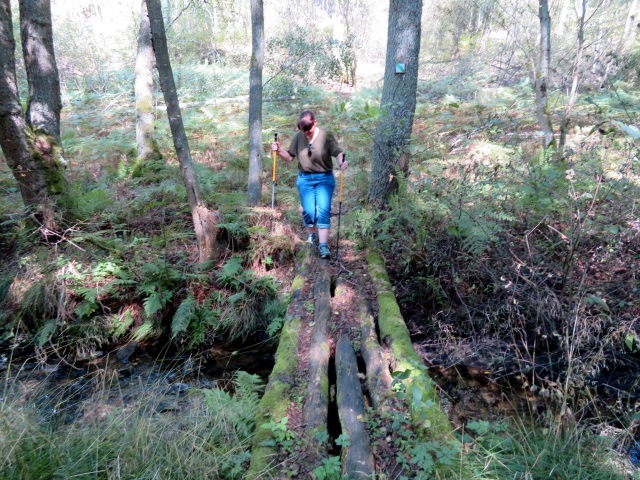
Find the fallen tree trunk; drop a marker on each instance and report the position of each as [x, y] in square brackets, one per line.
[316, 405]
[426, 413]
[357, 459]
[277, 397]
[379, 381]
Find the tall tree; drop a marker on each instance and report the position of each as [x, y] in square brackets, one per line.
[575, 78]
[147, 148]
[36, 32]
[398, 100]
[255, 103]
[204, 220]
[542, 75]
[34, 157]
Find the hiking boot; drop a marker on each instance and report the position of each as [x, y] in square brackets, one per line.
[312, 239]
[323, 249]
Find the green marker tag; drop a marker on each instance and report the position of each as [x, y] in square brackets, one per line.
[400, 68]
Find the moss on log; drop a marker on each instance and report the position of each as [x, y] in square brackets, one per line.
[277, 396]
[422, 397]
[378, 379]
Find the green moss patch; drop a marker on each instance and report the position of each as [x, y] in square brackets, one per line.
[422, 397]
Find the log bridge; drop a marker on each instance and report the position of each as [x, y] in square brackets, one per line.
[329, 374]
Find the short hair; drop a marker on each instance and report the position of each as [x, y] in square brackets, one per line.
[306, 120]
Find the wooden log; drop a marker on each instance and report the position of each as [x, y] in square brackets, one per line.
[357, 459]
[277, 397]
[379, 381]
[430, 419]
[316, 406]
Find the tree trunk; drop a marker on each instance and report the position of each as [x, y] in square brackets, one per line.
[147, 149]
[575, 78]
[542, 75]
[204, 220]
[398, 100]
[630, 28]
[45, 104]
[255, 103]
[33, 162]
[561, 24]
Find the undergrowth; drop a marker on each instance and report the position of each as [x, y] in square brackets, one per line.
[536, 255]
[119, 439]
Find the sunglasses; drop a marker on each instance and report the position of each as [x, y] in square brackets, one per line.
[310, 149]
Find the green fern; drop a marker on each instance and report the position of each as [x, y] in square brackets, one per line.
[230, 271]
[235, 415]
[154, 303]
[186, 313]
[45, 332]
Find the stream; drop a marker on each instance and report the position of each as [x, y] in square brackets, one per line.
[66, 393]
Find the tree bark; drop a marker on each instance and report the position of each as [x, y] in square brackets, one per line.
[37, 170]
[45, 104]
[561, 24]
[398, 100]
[204, 220]
[147, 148]
[255, 104]
[630, 29]
[542, 75]
[575, 78]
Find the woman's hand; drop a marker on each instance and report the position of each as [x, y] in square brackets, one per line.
[283, 154]
[342, 161]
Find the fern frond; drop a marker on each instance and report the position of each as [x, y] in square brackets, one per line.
[90, 294]
[45, 333]
[230, 270]
[185, 314]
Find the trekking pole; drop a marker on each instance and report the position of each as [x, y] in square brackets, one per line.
[344, 156]
[273, 189]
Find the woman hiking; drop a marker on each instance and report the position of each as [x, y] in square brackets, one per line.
[314, 148]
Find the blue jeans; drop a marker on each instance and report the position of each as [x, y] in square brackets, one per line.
[316, 190]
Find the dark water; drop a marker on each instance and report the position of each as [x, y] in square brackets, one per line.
[61, 391]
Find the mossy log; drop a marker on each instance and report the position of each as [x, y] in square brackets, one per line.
[316, 406]
[357, 459]
[378, 379]
[431, 420]
[277, 397]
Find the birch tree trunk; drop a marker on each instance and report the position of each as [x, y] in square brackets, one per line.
[147, 148]
[255, 104]
[204, 220]
[398, 103]
[630, 29]
[575, 78]
[561, 24]
[542, 75]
